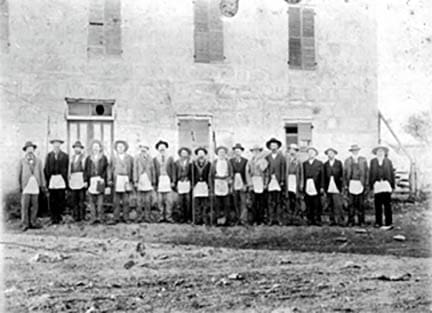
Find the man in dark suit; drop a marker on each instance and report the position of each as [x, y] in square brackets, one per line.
[313, 185]
[238, 163]
[56, 174]
[333, 186]
[277, 174]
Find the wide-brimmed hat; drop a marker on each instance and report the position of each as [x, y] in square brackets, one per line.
[29, 144]
[375, 150]
[56, 140]
[98, 142]
[161, 142]
[256, 147]
[201, 149]
[221, 147]
[273, 140]
[312, 148]
[330, 149]
[294, 146]
[78, 144]
[143, 145]
[184, 149]
[354, 148]
[238, 146]
[126, 145]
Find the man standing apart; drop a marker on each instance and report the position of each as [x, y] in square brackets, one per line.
[165, 180]
[76, 181]
[333, 186]
[356, 182]
[277, 172]
[201, 174]
[183, 182]
[238, 164]
[313, 186]
[56, 172]
[294, 181]
[145, 181]
[30, 180]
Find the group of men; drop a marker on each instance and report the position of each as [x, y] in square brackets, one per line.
[221, 191]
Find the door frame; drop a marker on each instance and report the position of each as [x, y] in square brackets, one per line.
[205, 117]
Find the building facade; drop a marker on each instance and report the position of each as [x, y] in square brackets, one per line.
[182, 71]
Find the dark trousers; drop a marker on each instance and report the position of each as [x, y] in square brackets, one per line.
[97, 212]
[356, 207]
[29, 209]
[383, 199]
[78, 206]
[184, 205]
[294, 206]
[313, 209]
[274, 207]
[258, 207]
[222, 204]
[202, 211]
[57, 200]
[144, 202]
[121, 206]
[335, 207]
[241, 214]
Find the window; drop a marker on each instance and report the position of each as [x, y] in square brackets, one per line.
[104, 33]
[208, 32]
[301, 42]
[4, 26]
[88, 108]
[299, 133]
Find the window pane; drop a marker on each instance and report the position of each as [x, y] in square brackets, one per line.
[295, 58]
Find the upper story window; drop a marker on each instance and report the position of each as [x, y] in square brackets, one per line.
[208, 32]
[104, 30]
[301, 44]
[4, 26]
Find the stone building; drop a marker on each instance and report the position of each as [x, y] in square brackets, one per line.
[182, 71]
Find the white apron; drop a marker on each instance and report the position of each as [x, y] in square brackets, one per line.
[183, 187]
[221, 187]
[238, 182]
[382, 186]
[292, 183]
[76, 181]
[332, 186]
[32, 187]
[355, 187]
[310, 187]
[144, 183]
[164, 184]
[56, 182]
[274, 185]
[201, 189]
[121, 182]
[258, 184]
[93, 185]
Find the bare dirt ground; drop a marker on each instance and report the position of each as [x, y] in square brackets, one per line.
[184, 268]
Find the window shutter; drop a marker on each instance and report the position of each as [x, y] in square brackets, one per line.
[216, 52]
[201, 31]
[308, 38]
[113, 27]
[304, 134]
[96, 28]
[294, 40]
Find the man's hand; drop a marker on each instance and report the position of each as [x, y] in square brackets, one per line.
[85, 185]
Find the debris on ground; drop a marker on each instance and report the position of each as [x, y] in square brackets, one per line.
[341, 239]
[285, 262]
[360, 231]
[140, 249]
[49, 258]
[235, 276]
[399, 238]
[351, 264]
[402, 277]
[129, 264]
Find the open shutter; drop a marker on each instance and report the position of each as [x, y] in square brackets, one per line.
[294, 40]
[304, 134]
[216, 52]
[112, 29]
[308, 42]
[96, 28]
[201, 31]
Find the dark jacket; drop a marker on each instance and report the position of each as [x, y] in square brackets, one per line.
[277, 167]
[144, 165]
[170, 169]
[183, 172]
[383, 172]
[121, 167]
[239, 167]
[363, 168]
[213, 175]
[92, 169]
[336, 171]
[296, 166]
[314, 171]
[57, 167]
[201, 173]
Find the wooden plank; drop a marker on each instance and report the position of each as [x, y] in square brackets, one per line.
[295, 52]
[294, 25]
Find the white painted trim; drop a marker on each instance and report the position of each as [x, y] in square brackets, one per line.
[89, 118]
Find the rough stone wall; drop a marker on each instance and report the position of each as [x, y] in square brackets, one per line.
[249, 96]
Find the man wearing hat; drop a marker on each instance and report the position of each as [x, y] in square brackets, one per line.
[221, 174]
[183, 175]
[294, 181]
[277, 174]
[165, 180]
[201, 172]
[382, 182]
[56, 174]
[257, 177]
[77, 184]
[122, 179]
[238, 164]
[313, 182]
[30, 180]
[145, 181]
[356, 183]
[333, 186]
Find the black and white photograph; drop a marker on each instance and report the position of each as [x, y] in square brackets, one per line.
[194, 156]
